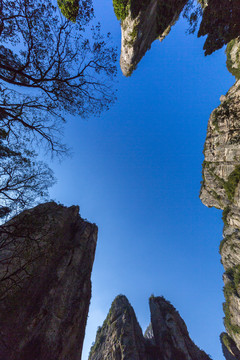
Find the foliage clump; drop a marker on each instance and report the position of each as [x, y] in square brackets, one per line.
[71, 8]
[121, 8]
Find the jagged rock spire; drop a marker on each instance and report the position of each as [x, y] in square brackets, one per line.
[166, 338]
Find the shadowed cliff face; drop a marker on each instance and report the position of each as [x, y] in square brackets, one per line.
[230, 351]
[46, 261]
[167, 338]
[220, 22]
[171, 334]
[142, 22]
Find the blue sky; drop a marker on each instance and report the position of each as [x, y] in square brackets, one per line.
[136, 173]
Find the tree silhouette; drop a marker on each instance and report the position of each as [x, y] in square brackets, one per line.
[73, 8]
[61, 69]
[50, 67]
[23, 179]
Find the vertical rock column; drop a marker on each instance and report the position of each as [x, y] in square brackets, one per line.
[221, 189]
[120, 336]
[171, 334]
[46, 261]
[142, 22]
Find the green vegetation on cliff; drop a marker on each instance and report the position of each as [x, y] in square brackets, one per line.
[98, 341]
[229, 186]
[235, 71]
[228, 342]
[224, 240]
[231, 289]
[122, 7]
[69, 9]
[225, 213]
[232, 182]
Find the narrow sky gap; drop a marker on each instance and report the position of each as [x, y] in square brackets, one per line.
[136, 173]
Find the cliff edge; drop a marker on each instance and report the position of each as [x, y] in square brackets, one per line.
[221, 189]
[142, 22]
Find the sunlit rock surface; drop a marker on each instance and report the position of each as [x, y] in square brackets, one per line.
[233, 57]
[46, 261]
[167, 338]
[144, 24]
[221, 189]
[144, 21]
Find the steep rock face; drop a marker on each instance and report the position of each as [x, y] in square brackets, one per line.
[166, 338]
[220, 23]
[143, 24]
[171, 334]
[46, 260]
[222, 155]
[120, 337]
[230, 351]
[221, 188]
[233, 57]
[143, 21]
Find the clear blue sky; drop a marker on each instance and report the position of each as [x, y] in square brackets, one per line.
[136, 173]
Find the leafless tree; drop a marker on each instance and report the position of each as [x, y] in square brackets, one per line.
[49, 68]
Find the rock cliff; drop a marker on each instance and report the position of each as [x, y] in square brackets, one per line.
[153, 19]
[46, 260]
[171, 334]
[221, 189]
[166, 338]
[142, 22]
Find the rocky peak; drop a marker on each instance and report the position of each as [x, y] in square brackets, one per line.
[166, 338]
[46, 261]
[170, 332]
[142, 22]
[120, 336]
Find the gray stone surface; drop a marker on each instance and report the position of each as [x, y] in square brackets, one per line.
[221, 189]
[167, 338]
[153, 20]
[45, 287]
